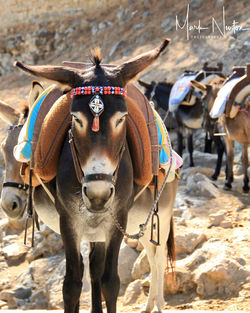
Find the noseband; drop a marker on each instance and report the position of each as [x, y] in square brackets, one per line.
[91, 177]
[20, 186]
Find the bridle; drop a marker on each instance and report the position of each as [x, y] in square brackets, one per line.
[91, 177]
[20, 186]
[96, 106]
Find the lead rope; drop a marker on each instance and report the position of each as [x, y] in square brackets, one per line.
[142, 227]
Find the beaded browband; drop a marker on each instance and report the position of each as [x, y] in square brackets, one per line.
[102, 90]
[96, 104]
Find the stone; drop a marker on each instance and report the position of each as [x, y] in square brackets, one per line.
[39, 300]
[126, 259]
[187, 241]
[199, 185]
[216, 218]
[226, 224]
[133, 292]
[141, 266]
[22, 292]
[14, 252]
[217, 270]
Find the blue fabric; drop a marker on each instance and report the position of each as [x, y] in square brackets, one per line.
[179, 90]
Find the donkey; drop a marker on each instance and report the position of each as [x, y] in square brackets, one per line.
[236, 129]
[106, 189]
[186, 116]
[210, 125]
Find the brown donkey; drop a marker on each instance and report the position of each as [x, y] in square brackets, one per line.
[236, 129]
[106, 188]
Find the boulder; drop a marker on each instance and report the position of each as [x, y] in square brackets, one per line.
[199, 185]
[133, 292]
[141, 266]
[126, 259]
[14, 252]
[187, 241]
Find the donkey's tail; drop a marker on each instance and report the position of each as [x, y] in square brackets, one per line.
[171, 257]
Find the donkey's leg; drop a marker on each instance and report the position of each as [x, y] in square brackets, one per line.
[220, 148]
[190, 146]
[110, 278]
[180, 142]
[208, 143]
[244, 158]
[230, 159]
[150, 251]
[96, 267]
[160, 259]
[72, 284]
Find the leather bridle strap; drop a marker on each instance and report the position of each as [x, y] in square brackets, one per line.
[16, 185]
[91, 177]
[78, 169]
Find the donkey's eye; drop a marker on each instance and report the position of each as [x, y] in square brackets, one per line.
[121, 120]
[77, 120]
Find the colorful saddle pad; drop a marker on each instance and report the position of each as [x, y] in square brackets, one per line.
[222, 98]
[180, 89]
[22, 151]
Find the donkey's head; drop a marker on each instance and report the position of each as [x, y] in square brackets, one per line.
[98, 109]
[209, 93]
[14, 191]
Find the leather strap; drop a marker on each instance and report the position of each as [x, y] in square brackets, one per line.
[16, 185]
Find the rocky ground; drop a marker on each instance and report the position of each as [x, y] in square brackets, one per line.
[211, 225]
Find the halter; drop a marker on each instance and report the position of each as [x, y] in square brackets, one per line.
[96, 104]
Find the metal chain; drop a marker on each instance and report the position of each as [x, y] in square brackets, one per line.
[144, 226]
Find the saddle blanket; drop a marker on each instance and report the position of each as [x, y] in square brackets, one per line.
[222, 98]
[22, 151]
[165, 147]
[180, 89]
[54, 129]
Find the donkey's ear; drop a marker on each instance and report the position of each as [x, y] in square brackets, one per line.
[128, 70]
[8, 114]
[35, 91]
[143, 84]
[198, 85]
[65, 77]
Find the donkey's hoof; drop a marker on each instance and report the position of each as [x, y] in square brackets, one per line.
[245, 189]
[213, 177]
[227, 186]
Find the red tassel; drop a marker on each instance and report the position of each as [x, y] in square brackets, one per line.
[95, 125]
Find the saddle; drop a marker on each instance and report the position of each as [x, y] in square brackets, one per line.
[142, 138]
[182, 92]
[242, 88]
[229, 97]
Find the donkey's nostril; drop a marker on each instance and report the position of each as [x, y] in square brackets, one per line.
[14, 205]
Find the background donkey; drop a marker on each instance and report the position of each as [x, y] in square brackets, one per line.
[87, 222]
[236, 129]
[185, 117]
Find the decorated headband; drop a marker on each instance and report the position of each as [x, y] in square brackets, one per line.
[96, 104]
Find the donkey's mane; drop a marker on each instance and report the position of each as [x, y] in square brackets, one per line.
[96, 56]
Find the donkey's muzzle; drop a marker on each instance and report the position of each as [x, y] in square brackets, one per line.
[12, 204]
[98, 195]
